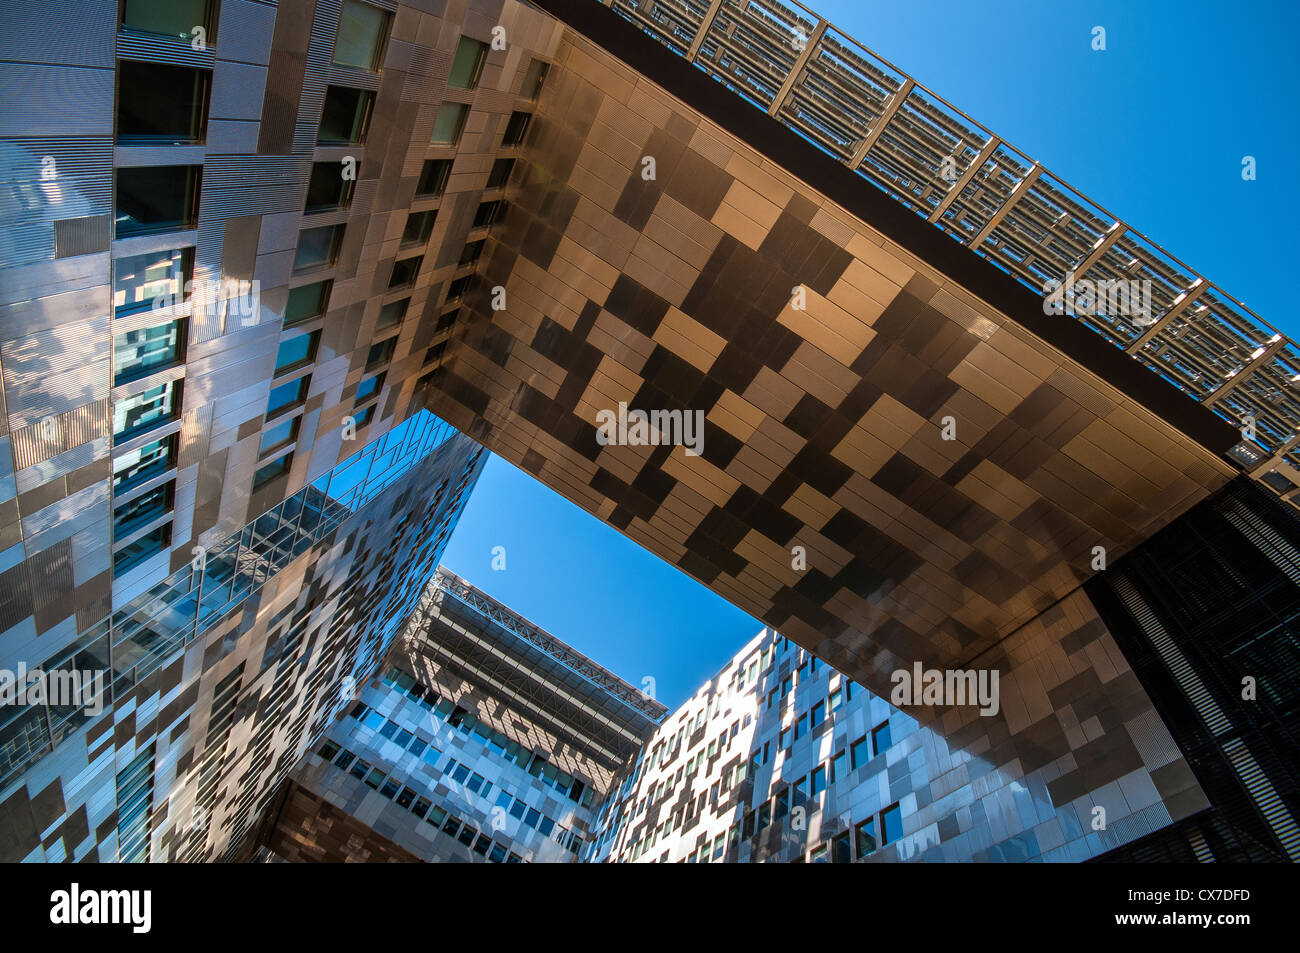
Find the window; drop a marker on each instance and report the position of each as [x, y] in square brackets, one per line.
[516, 128]
[836, 699]
[327, 188]
[369, 387]
[783, 739]
[818, 714]
[865, 835]
[860, 752]
[279, 435]
[891, 824]
[446, 320]
[471, 252]
[392, 313]
[155, 280]
[419, 226]
[818, 856]
[143, 510]
[159, 104]
[800, 791]
[764, 816]
[841, 849]
[295, 352]
[449, 124]
[167, 17]
[487, 213]
[818, 781]
[138, 354]
[137, 551]
[381, 353]
[287, 395]
[143, 464]
[839, 766]
[140, 412]
[155, 198]
[307, 302]
[534, 79]
[317, 247]
[880, 738]
[362, 420]
[433, 177]
[345, 116]
[270, 471]
[500, 173]
[468, 64]
[781, 804]
[458, 287]
[800, 727]
[787, 684]
[360, 43]
[405, 272]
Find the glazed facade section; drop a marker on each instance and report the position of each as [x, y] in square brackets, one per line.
[483, 739]
[231, 672]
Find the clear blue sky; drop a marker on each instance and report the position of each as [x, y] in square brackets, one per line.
[1153, 129]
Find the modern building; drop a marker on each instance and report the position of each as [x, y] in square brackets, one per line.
[241, 238]
[483, 737]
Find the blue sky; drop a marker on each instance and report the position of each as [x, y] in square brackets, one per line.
[1153, 129]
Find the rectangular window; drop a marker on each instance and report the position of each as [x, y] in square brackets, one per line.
[287, 395]
[138, 354]
[138, 413]
[764, 815]
[140, 549]
[500, 173]
[362, 420]
[534, 79]
[345, 116]
[419, 226]
[270, 471]
[296, 352]
[860, 752]
[161, 105]
[307, 302]
[446, 320]
[836, 699]
[433, 177]
[135, 808]
[841, 849]
[449, 124]
[143, 464]
[167, 17]
[153, 199]
[818, 782]
[471, 252]
[327, 188]
[818, 855]
[155, 280]
[818, 714]
[360, 42]
[891, 824]
[880, 738]
[279, 435]
[487, 213]
[800, 727]
[369, 387]
[459, 287]
[381, 353]
[143, 510]
[392, 313]
[405, 272]
[839, 766]
[317, 247]
[781, 804]
[516, 128]
[468, 64]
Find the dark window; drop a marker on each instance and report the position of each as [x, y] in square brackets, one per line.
[500, 173]
[392, 313]
[434, 353]
[159, 104]
[534, 79]
[781, 804]
[362, 420]
[143, 464]
[860, 752]
[458, 287]
[136, 552]
[270, 471]
[818, 714]
[307, 302]
[468, 64]
[287, 395]
[419, 226]
[880, 738]
[471, 252]
[839, 766]
[446, 320]
[317, 247]
[345, 116]
[818, 855]
[369, 387]
[487, 213]
[516, 128]
[449, 124]
[360, 41]
[295, 352]
[327, 188]
[381, 353]
[405, 272]
[764, 815]
[891, 824]
[155, 198]
[865, 834]
[167, 17]
[433, 177]
[818, 781]
[140, 412]
[841, 849]
[144, 509]
[139, 353]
